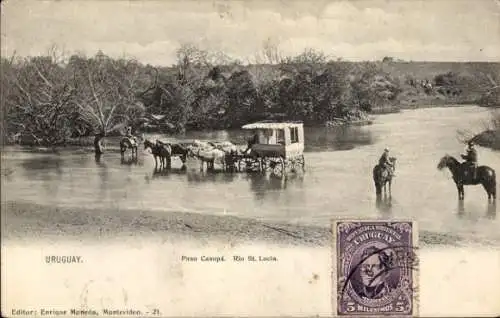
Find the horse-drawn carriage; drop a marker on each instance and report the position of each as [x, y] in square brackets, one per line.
[275, 147]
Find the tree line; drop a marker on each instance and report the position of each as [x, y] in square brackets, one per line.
[52, 100]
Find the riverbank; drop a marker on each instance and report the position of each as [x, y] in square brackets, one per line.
[24, 221]
[489, 139]
[28, 221]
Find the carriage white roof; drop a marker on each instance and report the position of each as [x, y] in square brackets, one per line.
[272, 125]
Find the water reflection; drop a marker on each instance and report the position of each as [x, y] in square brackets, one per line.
[265, 185]
[337, 138]
[490, 213]
[40, 165]
[103, 179]
[460, 209]
[384, 204]
[129, 161]
[491, 210]
[215, 176]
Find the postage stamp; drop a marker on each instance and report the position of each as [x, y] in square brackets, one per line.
[375, 268]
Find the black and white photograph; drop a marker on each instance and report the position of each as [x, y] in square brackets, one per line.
[168, 158]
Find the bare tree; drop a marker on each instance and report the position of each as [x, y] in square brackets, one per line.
[37, 99]
[106, 91]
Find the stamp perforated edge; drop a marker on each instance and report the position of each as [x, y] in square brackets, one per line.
[333, 259]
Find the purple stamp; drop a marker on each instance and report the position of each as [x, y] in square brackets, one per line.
[375, 268]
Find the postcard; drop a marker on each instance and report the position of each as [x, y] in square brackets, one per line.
[250, 158]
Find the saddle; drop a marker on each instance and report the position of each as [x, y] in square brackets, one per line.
[468, 171]
[132, 140]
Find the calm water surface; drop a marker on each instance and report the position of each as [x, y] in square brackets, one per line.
[337, 182]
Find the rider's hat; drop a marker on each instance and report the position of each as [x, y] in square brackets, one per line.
[386, 150]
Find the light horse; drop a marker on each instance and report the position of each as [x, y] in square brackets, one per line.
[161, 151]
[382, 177]
[207, 154]
[128, 143]
[462, 175]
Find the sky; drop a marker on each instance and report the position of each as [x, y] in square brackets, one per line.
[152, 31]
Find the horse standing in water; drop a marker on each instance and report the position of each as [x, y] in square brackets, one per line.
[128, 143]
[462, 175]
[177, 150]
[161, 151]
[382, 177]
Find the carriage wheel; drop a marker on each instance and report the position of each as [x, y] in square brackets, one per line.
[294, 163]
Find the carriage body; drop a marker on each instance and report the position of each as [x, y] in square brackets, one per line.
[280, 145]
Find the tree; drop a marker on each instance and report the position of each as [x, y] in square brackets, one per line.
[106, 92]
[242, 98]
[37, 99]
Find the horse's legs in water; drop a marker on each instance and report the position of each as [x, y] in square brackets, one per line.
[490, 190]
[461, 193]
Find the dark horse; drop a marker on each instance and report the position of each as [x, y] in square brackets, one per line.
[462, 175]
[177, 150]
[161, 151]
[128, 143]
[382, 177]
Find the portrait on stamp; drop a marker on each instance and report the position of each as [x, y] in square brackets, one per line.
[375, 272]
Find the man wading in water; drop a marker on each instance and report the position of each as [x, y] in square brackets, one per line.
[471, 159]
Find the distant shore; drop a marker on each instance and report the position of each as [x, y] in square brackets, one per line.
[489, 139]
[85, 144]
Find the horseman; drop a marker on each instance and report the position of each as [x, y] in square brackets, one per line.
[252, 141]
[386, 163]
[471, 158]
[132, 138]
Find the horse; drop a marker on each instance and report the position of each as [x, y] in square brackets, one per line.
[177, 150]
[382, 177]
[160, 150]
[126, 143]
[207, 155]
[462, 175]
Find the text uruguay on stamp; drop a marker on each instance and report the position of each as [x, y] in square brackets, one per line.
[375, 268]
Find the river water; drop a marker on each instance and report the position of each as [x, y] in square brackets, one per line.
[337, 181]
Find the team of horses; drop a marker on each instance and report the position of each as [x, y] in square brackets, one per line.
[462, 175]
[208, 153]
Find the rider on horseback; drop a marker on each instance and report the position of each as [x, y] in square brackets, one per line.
[471, 158]
[129, 135]
[251, 141]
[386, 162]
